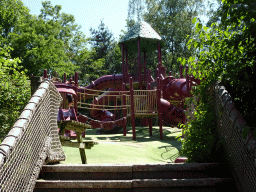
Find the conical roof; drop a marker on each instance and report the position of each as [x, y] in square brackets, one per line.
[148, 37]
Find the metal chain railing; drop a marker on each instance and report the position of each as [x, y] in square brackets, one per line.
[32, 141]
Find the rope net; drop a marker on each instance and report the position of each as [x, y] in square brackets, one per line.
[32, 141]
[240, 152]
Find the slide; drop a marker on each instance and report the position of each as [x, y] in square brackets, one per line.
[114, 83]
[173, 88]
[104, 82]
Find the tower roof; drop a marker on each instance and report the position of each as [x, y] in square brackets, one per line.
[146, 33]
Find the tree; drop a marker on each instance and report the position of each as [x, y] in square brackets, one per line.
[228, 57]
[15, 90]
[101, 40]
[104, 56]
[50, 41]
[172, 19]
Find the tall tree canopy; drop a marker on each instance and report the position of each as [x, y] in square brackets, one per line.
[172, 19]
[50, 41]
[103, 58]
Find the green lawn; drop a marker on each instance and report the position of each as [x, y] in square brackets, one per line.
[116, 148]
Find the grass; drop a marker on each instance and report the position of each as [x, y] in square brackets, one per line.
[116, 148]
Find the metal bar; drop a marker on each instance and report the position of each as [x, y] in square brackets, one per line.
[159, 107]
[132, 109]
[124, 110]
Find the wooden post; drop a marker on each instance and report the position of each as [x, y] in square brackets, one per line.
[160, 113]
[132, 109]
[81, 147]
[124, 110]
[35, 82]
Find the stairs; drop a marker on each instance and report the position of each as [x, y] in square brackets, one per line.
[182, 177]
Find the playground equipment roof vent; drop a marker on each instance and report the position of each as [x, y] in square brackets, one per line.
[146, 33]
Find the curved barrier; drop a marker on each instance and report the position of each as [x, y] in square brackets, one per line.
[32, 141]
[240, 152]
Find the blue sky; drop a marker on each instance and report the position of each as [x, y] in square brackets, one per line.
[88, 13]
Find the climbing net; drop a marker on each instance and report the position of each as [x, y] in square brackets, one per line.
[32, 141]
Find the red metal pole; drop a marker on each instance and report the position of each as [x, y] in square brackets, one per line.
[65, 78]
[76, 90]
[132, 109]
[187, 81]
[181, 67]
[45, 74]
[123, 64]
[150, 104]
[140, 79]
[145, 70]
[160, 113]
[149, 76]
[124, 110]
[115, 117]
[159, 55]
[126, 66]
[157, 73]
[163, 69]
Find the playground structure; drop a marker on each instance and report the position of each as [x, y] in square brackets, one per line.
[163, 97]
[33, 140]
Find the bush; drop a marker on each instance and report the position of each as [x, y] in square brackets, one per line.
[14, 90]
[226, 53]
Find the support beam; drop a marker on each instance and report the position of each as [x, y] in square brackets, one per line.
[145, 67]
[126, 66]
[124, 109]
[159, 57]
[150, 109]
[132, 109]
[81, 147]
[123, 64]
[45, 74]
[160, 112]
[140, 79]
[76, 90]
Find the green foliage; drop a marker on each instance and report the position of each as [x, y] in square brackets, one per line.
[14, 90]
[172, 19]
[49, 41]
[103, 58]
[225, 53]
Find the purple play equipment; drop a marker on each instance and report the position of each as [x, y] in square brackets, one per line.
[163, 97]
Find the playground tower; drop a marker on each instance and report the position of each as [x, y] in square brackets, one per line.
[143, 40]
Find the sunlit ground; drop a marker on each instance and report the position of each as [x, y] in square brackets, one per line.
[116, 148]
